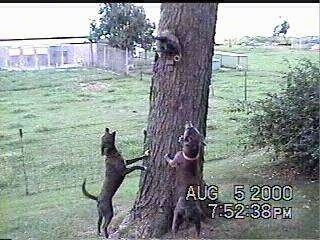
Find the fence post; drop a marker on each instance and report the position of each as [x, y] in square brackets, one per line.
[6, 59]
[91, 55]
[23, 163]
[20, 57]
[107, 56]
[61, 55]
[245, 85]
[36, 60]
[127, 62]
[48, 56]
[104, 55]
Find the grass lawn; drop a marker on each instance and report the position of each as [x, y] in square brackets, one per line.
[62, 114]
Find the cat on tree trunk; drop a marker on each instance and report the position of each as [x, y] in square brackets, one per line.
[179, 92]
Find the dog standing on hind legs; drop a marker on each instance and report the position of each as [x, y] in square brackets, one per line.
[116, 171]
[186, 163]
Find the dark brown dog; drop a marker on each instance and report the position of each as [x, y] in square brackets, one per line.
[116, 171]
[186, 163]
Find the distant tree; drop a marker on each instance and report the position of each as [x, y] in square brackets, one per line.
[147, 40]
[281, 28]
[124, 25]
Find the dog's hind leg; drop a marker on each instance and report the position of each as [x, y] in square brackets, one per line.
[108, 215]
[178, 215]
[197, 222]
[177, 221]
[99, 223]
[196, 219]
[198, 227]
[107, 221]
[131, 169]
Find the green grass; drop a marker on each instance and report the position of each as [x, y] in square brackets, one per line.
[62, 123]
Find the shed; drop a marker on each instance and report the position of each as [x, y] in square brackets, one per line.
[4, 55]
[232, 60]
[216, 64]
[61, 54]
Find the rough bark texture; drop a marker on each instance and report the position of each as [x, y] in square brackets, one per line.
[178, 93]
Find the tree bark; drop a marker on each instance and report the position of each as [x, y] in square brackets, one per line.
[179, 92]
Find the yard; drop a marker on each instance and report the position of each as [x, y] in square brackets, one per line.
[62, 114]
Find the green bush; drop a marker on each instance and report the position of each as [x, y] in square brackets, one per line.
[289, 121]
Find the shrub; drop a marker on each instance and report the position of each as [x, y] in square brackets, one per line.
[289, 121]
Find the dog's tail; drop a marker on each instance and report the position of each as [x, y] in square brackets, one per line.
[84, 191]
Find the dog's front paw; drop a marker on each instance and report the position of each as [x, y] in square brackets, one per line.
[147, 153]
[167, 157]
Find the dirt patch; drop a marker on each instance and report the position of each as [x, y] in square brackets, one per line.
[93, 86]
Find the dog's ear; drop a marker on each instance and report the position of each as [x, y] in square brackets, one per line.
[107, 130]
[113, 134]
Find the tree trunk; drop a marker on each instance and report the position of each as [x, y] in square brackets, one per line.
[179, 92]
